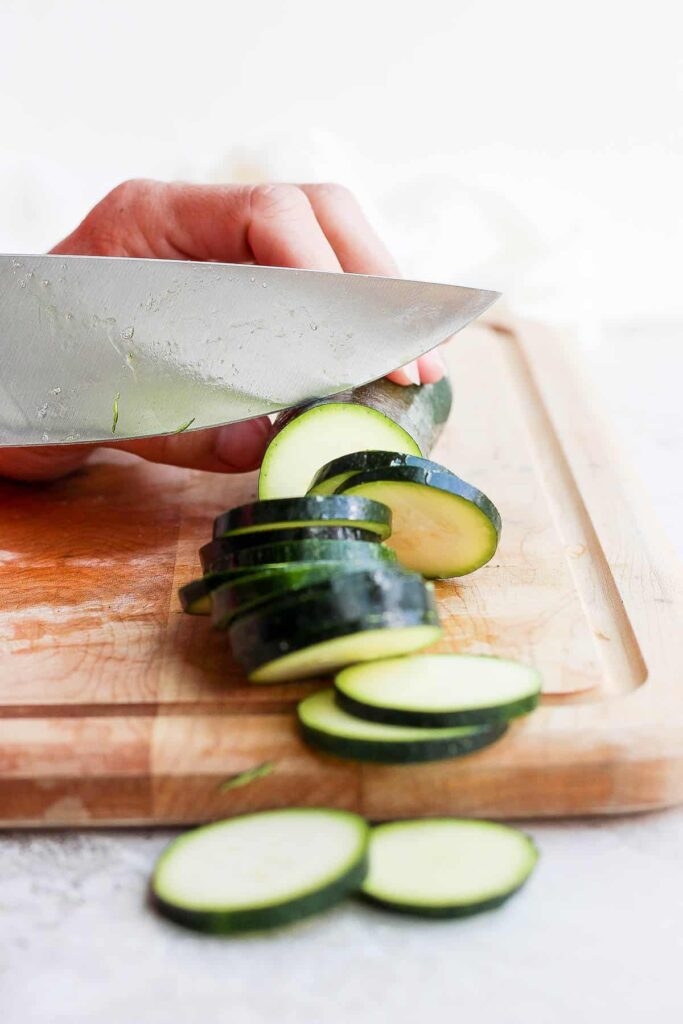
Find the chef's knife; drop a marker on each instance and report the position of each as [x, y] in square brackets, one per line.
[96, 348]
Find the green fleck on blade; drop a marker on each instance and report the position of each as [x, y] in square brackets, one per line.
[259, 771]
[184, 426]
[115, 411]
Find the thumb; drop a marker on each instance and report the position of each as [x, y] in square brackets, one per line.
[235, 448]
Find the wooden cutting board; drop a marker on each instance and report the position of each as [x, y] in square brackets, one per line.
[116, 708]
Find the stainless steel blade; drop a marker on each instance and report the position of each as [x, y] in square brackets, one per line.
[94, 347]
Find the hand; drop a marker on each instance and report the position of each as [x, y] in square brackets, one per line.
[314, 227]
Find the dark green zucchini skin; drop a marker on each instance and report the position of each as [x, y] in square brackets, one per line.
[368, 462]
[240, 541]
[435, 720]
[420, 409]
[215, 559]
[402, 752]
[240, 596]
[197, 591]
[443, 912]
[318, 509]
[221, 923]
[372, 598]
[428, 476]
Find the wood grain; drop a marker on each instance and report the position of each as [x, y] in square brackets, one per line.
[116, 708]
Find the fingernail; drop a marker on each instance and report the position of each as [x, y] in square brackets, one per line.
[432, 367]
[412, 373]
[241, 445]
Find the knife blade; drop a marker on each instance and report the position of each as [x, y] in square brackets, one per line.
[95, 348]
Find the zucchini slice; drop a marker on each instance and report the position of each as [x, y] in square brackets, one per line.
[437, 690]
[332, 475]
[446, 867]
[240, 541]
[328, 727]
[290, 513]
[441, 526]
[241, 595]
[261, 870]
[356, 616]
[195, 596]
[380, 415]
[215, 558]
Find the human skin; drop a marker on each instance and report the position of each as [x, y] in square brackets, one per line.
[312, 227]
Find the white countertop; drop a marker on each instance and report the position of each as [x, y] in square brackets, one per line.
[596, 935]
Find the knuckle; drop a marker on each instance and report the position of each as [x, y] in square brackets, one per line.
[129, 193]
[277, 200]
[107, 226]
[336, 192]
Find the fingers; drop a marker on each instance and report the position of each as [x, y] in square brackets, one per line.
[357, 246]
[316, 227]
[431, 367]
[46, 462]
[270, 224]
[284, 231]
[235, 448]
[360, 251]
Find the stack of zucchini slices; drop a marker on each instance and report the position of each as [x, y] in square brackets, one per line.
[329, 574]
[338, 578]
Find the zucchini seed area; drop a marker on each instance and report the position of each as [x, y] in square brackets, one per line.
[436, 533]
[324, 433]
[442, 863]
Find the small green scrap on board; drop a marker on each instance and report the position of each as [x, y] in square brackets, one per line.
[259, 771]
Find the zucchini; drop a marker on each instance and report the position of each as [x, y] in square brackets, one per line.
[374, 612]
[195, 596]
[380, 415]
[215, 558]
[438, 690]
[261, 870]
[332, 475]
[326, 726]
[446, 867]
[241, 595]
[289, 513]
[441, 526]
[240, 541]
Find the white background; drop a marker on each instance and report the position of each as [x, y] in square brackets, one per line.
[531, 145]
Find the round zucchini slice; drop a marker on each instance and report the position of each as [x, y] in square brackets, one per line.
[331, 476]
[215, 558]
[261, 870]
[291, 513]
[195, 596]
[446, 867]
[441, 526]
[242, 595]
[379, 415]
[438, 690]
[328, 727]
[321, 433]
[356, 616]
